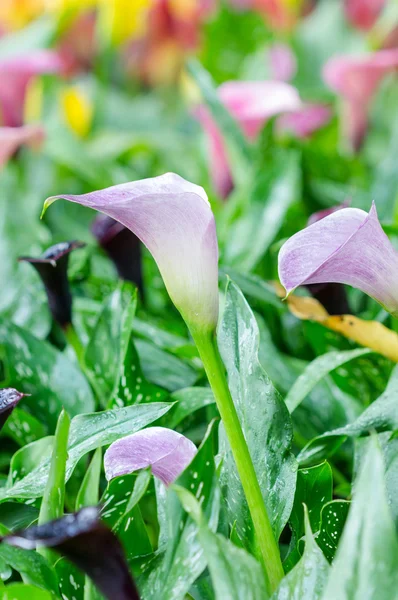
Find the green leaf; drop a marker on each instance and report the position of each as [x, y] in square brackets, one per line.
[28, 458]
[333, 518]
[52, 504]
[22, 427]
[32, 567]
[188, 400]
[108, 344]
[263, 416]
[37, 368]
[314, 489]
[380, 416]
[235, 574]
[238, 149]
[164, 369]
[89, 489]
[366, 563]
[15, 515]
[87, 432]
[316, 370]
[385, 183]
[71, 580]
[180, 559]
[21, 591]
[273, 193]
[308, 578]
[252, 286]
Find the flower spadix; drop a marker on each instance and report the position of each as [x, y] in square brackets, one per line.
[164, 450]
[173, 219]
[348, 246]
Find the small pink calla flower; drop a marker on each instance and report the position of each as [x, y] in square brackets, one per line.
[325, 212]
[173, 219]
[348, 246]
[11, 138]
[363, 14]
[356, 79]
[304, 122]
[15, 75]
[252, 104]
[167, 452]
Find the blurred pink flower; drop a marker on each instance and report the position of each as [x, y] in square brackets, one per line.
[283, 63]
[78, 45]
[305, 121]
[11, 138]
[363, 14]
[325, 212]
[15, 75]
[356, 79]
[251, 103]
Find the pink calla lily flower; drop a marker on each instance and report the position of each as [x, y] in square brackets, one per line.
[282, 62]
[356, 79]
[15, 75]
[167, 452]
[252, 104]
[363, 14]
[348, 246]
[173, 219]
[11, 138]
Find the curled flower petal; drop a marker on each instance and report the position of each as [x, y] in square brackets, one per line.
[356, 79]
[349, 246]
[122, 246]
[15, 75]
[52, 267]
[89, 544]
[11, 138]
[282, 62]
[306, 121]
[173, 218]
[363, 14]
[9, 398]
[167, 452]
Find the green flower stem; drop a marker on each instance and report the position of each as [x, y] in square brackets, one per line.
[74, 341]
[215, 370]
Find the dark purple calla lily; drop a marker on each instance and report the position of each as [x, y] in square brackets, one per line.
[52, 267]
[122, 246]
[9, 398]
[84, 540]
[167, 452]
[348, 246]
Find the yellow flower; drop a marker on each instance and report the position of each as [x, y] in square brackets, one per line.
[77, 110]
[15, 14]
[121, 20]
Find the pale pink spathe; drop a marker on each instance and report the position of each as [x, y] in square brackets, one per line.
[304, 122]
[173, 218]
[356, 79]
[348, 246]
[167, 452]
[15, 75]
[11, 138]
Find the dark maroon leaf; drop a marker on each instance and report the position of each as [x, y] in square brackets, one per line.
[122, 247]
[52, 267]
[9, 398]
[84, 540]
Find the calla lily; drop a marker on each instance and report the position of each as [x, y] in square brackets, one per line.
[11, 138]
[304, 122]
[348, 246]
[363, 14]
[173, 218]
[167, 452]
[88, 544]
[9, 398]
[15, 76]
[122, 246]
[52, 267]
[252, 103]
[356, 79]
